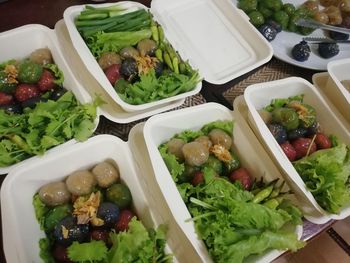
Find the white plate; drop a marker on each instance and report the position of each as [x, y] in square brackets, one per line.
[160, 128]
[284, 42]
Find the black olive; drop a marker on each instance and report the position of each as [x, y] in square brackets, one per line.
[31, 103]
[129, 68]
[313, 129]
[159, 68]
[328, 50]
[301, 51]
[67, 231]
[12, 108]
[109, 213]
[268, 31]
[274, 24]
[57, 93]
[278, 132]
[297, 133]
[338, 36]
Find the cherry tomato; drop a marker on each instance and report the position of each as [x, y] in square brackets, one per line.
[198, 178]
[112, 73]
[301, 146]
[322, 141]
[241, 175]
[124, 219]
[289, 150]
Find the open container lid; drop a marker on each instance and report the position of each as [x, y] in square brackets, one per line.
[215, 36]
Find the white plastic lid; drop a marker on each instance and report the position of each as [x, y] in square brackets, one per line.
[214, 36]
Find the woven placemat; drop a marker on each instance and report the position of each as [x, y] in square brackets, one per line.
[106, 126]
[274, 70]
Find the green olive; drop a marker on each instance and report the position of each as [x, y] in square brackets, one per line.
[120, 195]
[286, 117]
[256, 18]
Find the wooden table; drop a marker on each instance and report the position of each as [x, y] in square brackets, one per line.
[15, 13]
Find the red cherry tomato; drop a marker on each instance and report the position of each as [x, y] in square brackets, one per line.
[100, 234]
[5, 99]
[301, 146]
[112, 73]
[322, 141]
[124, 219]
[60, 254]
[198, 178]
[289, 150]
[241, 175]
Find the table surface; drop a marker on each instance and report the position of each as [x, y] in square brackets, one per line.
[15, 13]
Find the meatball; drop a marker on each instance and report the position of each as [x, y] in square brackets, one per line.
[54, 194]
[129, 52]
[146, 47]
[195, 153]
[81, 182]
[41, 56]
[218, 136]
[204, 140]
[107, 59]
[175, 147]
[106, 174]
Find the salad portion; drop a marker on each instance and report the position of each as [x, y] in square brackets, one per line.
[131, 49]
[36, 111]
[88, 217]
[321, 160]
[236, 214]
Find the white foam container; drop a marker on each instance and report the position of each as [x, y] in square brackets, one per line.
[257, 96]
[214, 36]
[338, 71]
[160, 128]
[18, 43]
[21, 230]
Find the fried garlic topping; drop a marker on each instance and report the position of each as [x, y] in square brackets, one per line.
[86, 210]
[221, 153]
[145, 63]
[12, 74]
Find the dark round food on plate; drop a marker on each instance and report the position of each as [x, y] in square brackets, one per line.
[67, 231]
[268, 31]
[129, 67]
[301, 52]
[274, 24]
[328, 50]
[109, 213]
[278, 132]
[57, 93]
[338, 36]
[12, 108]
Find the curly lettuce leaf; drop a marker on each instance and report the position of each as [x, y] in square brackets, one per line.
[138, 245]
[226, 126]
[326, 174]
[255, 245]
[45, 250]
[175, 168]
[59, 77]
[279, 103]
[40, 210]
[94, 251]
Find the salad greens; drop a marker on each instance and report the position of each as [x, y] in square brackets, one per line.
[326, 174]
[49, 124]
[150, 88]
[231, 224]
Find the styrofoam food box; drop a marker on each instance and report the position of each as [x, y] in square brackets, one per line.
[338, 71]
[258, 96]
[214, 36]
[20, 42]
[160, 128]
[21, 230]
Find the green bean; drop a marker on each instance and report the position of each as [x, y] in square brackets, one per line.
[167, 60]
[182, 68]
[273, 203]
[175, 63]
[155, 35]
[276, 191]
[160, 34]
[264, 193]
[92, 16]
[159, 54]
